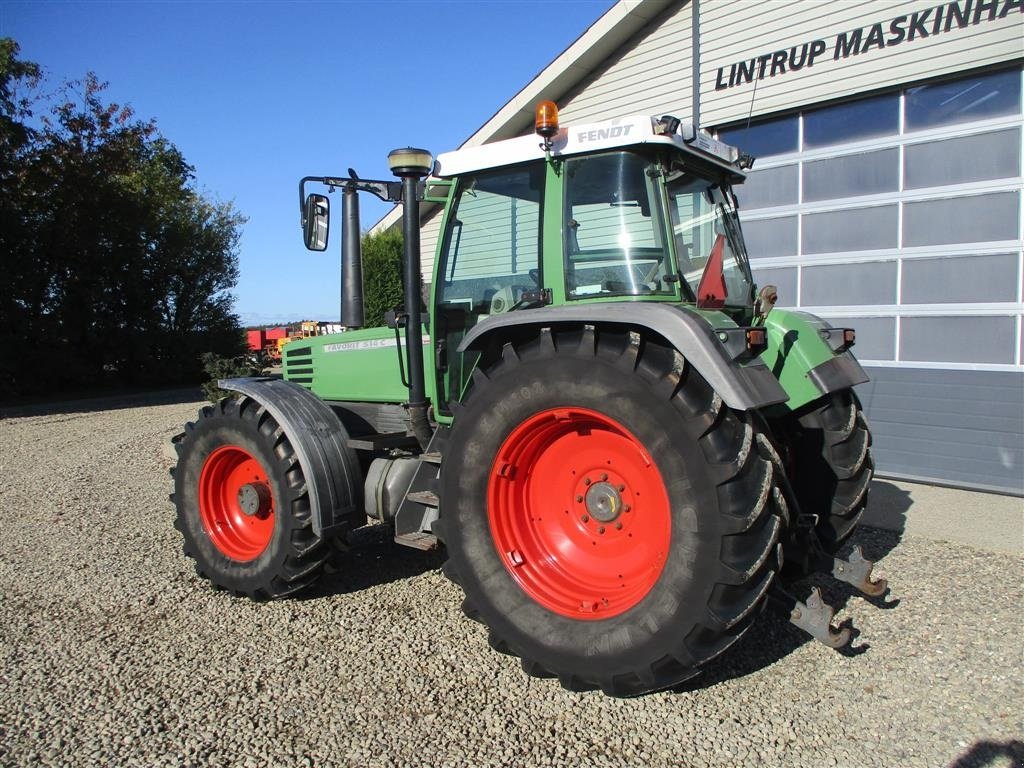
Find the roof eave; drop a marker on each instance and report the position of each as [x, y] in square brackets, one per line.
[597, 43]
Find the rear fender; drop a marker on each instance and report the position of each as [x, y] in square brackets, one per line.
[742, 385]
[329, 465]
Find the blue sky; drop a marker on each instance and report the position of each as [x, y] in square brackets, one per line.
[259, 94]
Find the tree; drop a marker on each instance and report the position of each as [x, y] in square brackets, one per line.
[382, 275]
[15, 75]
[119, 270]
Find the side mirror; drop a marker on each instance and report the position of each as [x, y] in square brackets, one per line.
[315, 222]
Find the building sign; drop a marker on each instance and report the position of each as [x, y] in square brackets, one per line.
[939, 19]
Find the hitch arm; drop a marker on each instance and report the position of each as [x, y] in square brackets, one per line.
[814, 616]
[857, 572]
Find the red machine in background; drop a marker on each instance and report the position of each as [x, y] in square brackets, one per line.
[266, 340]
[272, 340]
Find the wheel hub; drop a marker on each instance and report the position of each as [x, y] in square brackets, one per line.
[254, 499]
[603, 502]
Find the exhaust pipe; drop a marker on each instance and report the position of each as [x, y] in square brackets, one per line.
[352, 314]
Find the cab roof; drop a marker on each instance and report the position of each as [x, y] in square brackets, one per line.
[587, 138]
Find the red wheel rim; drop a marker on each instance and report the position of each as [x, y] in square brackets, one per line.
[235, 503]
[579, 513]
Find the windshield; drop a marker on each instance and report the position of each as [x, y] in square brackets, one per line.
[704, 220]
[615, 238]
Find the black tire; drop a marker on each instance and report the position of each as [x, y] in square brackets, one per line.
[294, 556]
[830, 465]
[723, 551]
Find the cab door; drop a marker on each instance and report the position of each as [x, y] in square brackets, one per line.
[489, 257]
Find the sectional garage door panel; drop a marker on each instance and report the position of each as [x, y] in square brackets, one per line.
[954, 427]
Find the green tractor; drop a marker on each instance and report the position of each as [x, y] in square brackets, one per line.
[621, 444]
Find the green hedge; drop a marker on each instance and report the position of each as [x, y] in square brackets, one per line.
[382, 275]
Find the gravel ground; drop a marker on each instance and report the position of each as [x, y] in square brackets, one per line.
[113, 653]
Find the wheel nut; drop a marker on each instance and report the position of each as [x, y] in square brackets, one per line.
[585, 518]
[579, 499]
[600, 529]
[622, 488]
[586, 481]
[618, 526]
[627, 508]
[604, 476]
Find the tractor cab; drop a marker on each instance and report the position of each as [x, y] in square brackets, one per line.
[636, 209]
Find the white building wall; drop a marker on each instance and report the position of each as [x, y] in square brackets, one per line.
[733, 31]
[650, 74]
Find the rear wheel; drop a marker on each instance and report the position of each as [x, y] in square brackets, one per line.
[242, 504]
[610, 520]
[830, 465]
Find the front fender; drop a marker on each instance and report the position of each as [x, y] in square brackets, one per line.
[802, 360]
[742, 385]
[329, 465]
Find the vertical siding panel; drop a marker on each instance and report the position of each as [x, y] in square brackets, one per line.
[430, 233]
[650, 74]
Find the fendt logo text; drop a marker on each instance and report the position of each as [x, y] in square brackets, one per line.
[599, 134]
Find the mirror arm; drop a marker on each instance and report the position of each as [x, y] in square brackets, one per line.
[388, 191]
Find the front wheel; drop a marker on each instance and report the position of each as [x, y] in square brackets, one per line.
[610, 520]
[829, 463]
[242, 504]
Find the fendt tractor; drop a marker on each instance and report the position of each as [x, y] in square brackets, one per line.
[621, 444]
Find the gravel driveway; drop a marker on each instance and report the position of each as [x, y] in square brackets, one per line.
[113, 653]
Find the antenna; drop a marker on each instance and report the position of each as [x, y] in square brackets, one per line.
[750, 112]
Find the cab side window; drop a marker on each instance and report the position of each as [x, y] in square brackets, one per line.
[493, 242]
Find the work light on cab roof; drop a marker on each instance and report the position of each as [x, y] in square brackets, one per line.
[545, 122]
